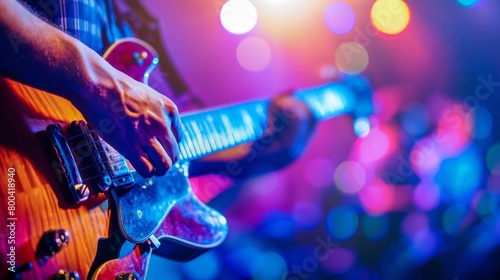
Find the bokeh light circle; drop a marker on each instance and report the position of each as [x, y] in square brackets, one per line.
[339, 17]
[342, 222]
[375, 227]
[453, 219]
[350, 177]
[238, 16]
[415, 119]
[351, 58]
[390, 16]
[467, 3]
[377, 198]
[268, 265]
[426, 196]
[483, 123]
[253, 54]
[361, 127]
[340, 260]
[318, 172]
[205, 267]
[307, 214]
[493, 158]
[487, 208]
[376, 138]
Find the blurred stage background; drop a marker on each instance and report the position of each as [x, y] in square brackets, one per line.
[418, 198]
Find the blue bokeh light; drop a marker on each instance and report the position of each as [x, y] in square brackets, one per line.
[342, 222]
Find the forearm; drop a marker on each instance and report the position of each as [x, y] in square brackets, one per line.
[37, 54]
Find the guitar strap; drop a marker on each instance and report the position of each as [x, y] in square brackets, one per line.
[146, 27]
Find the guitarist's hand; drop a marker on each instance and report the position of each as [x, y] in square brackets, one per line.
[140, 123]
[290, 126]
[137, 121]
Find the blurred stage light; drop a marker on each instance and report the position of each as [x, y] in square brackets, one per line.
[390, 16]
[238, 260]
[414, 223]
[339, 261]
[318, 172]
[459, 177]
[238, 16]
[375, 227]
[467, 3]
[426, 196]
[453, 219]
[487, 208]
[253, 54]
[483, 123]
[376, 138]
[361, 127]
[493, 158]
[350, 177]
[205, 267]
[307, 214]
[342, 222]
[377, 198]
[351, 58]
[415, 119]
[268, 266]
[339, 17]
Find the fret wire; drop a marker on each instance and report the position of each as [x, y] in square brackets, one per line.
[189, 143]
[196, 141]
[247, 121]
[221, 132]
[192, 143]
[184, 143]
[209, 135]
[199, 137]
[256, 124]
[231, 121]
[226, 123]
[186, 147]
[206, 135]
[182, 151]
[79, 158]
[241, 126]
[248, 124]
[214, 133]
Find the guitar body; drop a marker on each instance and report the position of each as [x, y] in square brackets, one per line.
[40, 205]
[44, 231]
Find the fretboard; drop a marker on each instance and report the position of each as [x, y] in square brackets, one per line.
[214, 130]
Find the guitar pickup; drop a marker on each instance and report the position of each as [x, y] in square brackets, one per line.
[70, 174]
[89, 165]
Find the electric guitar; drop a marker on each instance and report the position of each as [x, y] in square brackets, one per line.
[73, 208]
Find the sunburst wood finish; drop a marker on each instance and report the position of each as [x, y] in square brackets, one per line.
[40, 202]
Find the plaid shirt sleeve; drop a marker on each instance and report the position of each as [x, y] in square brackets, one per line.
[90, 21]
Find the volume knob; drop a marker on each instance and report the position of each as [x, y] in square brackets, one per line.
[128, 276]
[55, 240]
[66, 275]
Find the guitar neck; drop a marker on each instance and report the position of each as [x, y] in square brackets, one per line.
[214, 130]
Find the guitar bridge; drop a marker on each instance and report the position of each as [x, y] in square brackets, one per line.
[87, 160]
[77, 188]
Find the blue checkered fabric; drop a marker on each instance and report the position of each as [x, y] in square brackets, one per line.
[90, 21]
